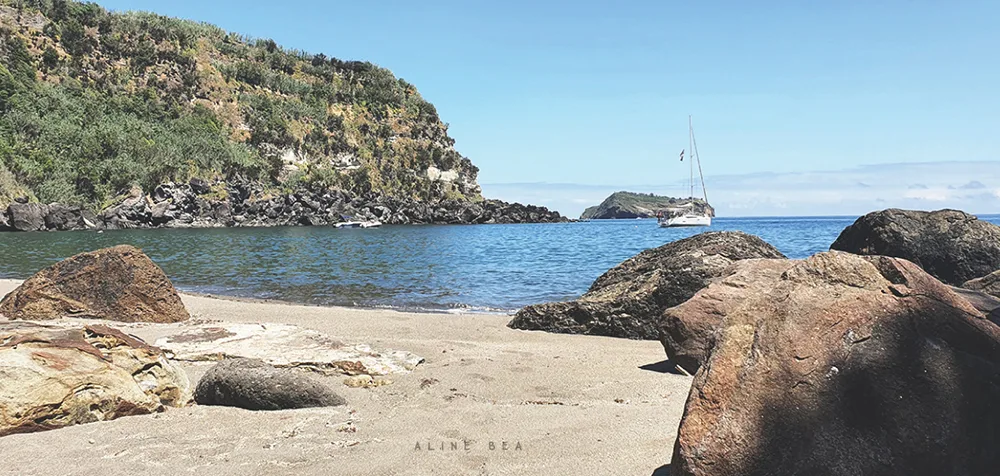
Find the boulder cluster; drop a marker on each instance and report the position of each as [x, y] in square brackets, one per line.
[57, 369]
[866, 359]
[199, 204]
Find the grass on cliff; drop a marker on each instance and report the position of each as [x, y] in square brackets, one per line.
[93, 102]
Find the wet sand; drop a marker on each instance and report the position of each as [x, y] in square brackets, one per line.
[488, 400]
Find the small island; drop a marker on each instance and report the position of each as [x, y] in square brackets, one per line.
[642, 205]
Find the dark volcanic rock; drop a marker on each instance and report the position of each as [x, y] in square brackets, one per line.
[848, 365]
[628, 300]
[949, 244]
[687, 331]
[255, 385]
[199, 186]
[27, 216]
[65, 217]
[246, 204]
[119, 284]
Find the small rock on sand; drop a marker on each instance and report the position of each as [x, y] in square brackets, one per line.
[255, 385]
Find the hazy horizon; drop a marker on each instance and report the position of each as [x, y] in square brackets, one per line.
[848, 192]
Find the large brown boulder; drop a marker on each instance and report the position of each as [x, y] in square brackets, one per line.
[627, 301]
[687, 331]
[848, 365]
[119, 284]
[52, 376]
[949, 244]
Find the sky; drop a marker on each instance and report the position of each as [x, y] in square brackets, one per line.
[794, 103]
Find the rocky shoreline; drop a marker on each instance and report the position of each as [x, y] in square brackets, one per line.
[203, 204]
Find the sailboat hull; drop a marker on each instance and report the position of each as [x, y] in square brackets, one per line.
[686, 220]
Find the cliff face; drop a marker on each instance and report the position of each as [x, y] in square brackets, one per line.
[93, 103]
[641, 205]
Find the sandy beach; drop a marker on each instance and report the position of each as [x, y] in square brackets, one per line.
[559, 404]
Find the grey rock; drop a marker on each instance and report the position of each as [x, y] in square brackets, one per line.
[950, 245]
[628, 300]
[199, 186]
[989, 284]
[222, 213]
[63, 217]
[983, 302]
[255, 385]
[160, 212]
[27, 216]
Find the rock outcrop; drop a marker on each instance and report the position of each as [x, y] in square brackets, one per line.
[255, 385]
[951, 245]
[989, 284]
[119, 284]
[847, 365]
[628, 300]
[52, 377]
[985, 303]
[687, 331]
[222, 204]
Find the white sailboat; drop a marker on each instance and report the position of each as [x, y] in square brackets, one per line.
[688, 216]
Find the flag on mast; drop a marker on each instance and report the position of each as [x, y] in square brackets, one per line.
[682, 155]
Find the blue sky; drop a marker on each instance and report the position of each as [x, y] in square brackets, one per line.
[553, 98]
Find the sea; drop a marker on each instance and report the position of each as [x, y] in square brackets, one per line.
[446, 268]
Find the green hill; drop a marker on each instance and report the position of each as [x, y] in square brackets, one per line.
[93, 103]
[640, 205]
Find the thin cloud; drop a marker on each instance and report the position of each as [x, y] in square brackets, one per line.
[925, 185]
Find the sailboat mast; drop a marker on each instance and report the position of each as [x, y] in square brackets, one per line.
[697, 156]
[691, 150]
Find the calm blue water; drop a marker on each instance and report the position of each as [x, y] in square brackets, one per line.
[493, 268]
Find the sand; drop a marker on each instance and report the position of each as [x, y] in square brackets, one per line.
[488, 400]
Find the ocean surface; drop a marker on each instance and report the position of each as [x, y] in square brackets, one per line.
[485, 268]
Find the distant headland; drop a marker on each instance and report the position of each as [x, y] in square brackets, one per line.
[641, 205]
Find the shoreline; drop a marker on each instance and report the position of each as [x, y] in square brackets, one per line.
[570, 401]
[13, 282]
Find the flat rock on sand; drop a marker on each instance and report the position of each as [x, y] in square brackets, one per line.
[118, 284]
[849, 365]
[53, 376]
[255, 385]
[282, 345]
[627, 301]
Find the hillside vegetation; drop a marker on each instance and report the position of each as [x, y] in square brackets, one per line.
[641, 205]
[93, 103]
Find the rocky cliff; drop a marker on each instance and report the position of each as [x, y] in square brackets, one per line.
[95, 103]
[642, 205]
